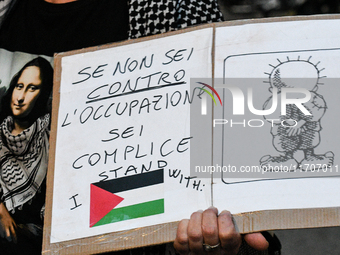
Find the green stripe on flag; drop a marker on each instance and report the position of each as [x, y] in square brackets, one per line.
[132, 212]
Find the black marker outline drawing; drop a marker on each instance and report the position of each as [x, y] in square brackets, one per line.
[302, 132]
[223, 146]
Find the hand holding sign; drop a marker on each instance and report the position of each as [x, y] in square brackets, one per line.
[215, 231]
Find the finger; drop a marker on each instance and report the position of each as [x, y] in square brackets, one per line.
[289, 132]
[8, 234]
[257, 241]
[230, 239]
[210, 228]
[181, 243]
[13, 234]
[293, 132]
[195, 233]
[298, 132]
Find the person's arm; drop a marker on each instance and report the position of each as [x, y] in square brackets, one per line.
[5, 6]
[215, 230]
[8, 226]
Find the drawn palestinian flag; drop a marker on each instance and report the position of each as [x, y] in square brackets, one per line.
[127, 198]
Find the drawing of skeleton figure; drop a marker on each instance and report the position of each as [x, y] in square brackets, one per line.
[296, 131]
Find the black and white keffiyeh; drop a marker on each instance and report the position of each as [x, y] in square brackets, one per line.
[23, 160]
[149, 17]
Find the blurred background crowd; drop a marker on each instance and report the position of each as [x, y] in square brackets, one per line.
[236, 9]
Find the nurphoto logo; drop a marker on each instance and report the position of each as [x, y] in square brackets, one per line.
[239, 99]
[204, 97]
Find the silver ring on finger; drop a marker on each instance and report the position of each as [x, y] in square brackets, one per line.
[208, 247]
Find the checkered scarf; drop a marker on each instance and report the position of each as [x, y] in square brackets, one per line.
[149, 17]
[23, 160]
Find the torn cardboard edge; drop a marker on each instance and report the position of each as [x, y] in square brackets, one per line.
[164, 233]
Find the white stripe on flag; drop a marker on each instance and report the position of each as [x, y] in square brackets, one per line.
[141, 195]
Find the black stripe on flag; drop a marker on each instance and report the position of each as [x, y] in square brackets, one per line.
[132, 182]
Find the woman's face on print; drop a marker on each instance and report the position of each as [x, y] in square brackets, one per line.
[26, 92]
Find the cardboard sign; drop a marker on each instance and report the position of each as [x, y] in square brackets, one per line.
[137, 145]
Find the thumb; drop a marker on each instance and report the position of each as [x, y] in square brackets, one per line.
[256, 241]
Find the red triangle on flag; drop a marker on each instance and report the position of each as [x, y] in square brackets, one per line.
[101, 203]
